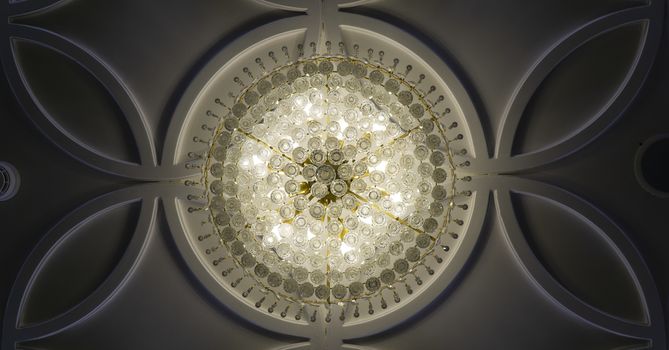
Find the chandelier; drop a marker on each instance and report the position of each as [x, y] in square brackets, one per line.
[330, 180]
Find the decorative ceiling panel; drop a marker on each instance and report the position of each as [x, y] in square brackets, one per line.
[479, 136]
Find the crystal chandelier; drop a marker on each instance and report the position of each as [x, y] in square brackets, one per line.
[329, 180]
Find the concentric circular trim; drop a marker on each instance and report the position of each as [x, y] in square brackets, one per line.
[10, 181]
[215, 81]
[638, 165]
[373, 287]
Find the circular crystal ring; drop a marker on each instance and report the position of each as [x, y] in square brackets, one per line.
[339, 180]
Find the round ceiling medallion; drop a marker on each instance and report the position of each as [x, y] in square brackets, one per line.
[332, 184]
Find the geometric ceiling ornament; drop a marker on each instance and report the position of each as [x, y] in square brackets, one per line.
[637, 315]
[554, 77]
[281, 229]
[122, 222]
[334, 175]
[129, 150]
[326, 175]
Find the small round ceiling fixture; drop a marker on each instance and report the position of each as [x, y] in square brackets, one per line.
[651, 166]
[9, 181]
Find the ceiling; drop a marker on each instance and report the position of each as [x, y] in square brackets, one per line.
[560, 99]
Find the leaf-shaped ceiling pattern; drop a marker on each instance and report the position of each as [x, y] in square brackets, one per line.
[108, 84]
[577, 90]
[579, 257]
[20, 7]
[632, 35]
[559, 268]
[79, 263]
[76, 102]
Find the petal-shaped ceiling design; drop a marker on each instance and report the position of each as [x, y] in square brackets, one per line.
[579, 256]
[633, 34]
[94, 250]
[79, 263]
[549, 262]
[117, 101]
[579, 88]
[75, 101]
[21, 7]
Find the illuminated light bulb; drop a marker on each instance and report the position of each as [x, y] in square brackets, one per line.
[331, 143]
[396, 197]
[334, 227]
[285, 230]
[336, 156]
[351, 240]
[317, 211]
[350, 133]
[334, 210]
[300, 240]
[365, 124]
[287, 212]
[360, 168]
[387, 204]
[351, 223]
[316, 227]
[269, 241]
[291, 187]
[285, 145]
[300, 101]
[338, 188]
[318, 157]
[334, 243]
[350, 256]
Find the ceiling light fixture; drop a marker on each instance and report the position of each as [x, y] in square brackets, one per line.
[330, 180]
[9, 181]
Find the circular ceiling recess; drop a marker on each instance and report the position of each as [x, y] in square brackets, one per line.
[9, 181]
[652, 168]
[332, 184]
